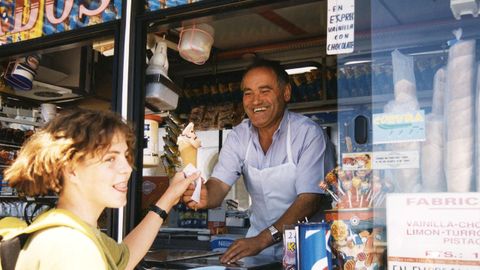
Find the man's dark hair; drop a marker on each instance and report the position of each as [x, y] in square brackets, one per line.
[282, 76]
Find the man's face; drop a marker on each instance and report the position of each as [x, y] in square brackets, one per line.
[263, 100]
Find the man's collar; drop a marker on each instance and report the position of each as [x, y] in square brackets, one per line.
[283, 125]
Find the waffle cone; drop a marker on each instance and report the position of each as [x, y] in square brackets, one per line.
[188, 154]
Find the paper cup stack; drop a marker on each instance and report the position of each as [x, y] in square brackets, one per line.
[407, 180]
[478, 128]
[459, 113]
[433, 175]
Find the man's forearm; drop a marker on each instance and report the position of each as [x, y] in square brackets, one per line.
[305, 205]
[217, 190]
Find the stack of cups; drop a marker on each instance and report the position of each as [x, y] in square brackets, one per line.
[196, 42]
[20, 73]
[150, 132]
[48, 111]
[459, 116]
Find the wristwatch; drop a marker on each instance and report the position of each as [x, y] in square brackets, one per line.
[276, 235]
[159, 211]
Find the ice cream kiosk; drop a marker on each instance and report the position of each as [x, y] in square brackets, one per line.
[397, 92]
[394, 84]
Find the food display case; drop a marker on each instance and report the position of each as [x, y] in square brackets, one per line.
[419, 165]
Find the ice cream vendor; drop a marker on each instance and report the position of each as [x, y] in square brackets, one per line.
[282, 156]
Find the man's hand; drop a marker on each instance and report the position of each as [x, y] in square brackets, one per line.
[243, 248]
[177, 187]
[187, 197]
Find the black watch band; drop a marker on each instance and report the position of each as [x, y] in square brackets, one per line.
[159, 211]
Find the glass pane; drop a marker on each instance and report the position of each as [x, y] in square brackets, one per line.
[411, 183]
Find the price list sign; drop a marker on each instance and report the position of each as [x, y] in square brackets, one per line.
[433, 231]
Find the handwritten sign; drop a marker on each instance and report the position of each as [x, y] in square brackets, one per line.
[340, 26]
[398, 127]
[433, 231]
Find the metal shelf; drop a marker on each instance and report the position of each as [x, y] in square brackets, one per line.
[10, 145]
[375, 101]
[21, 121]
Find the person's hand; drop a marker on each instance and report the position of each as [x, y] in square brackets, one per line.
[187, 197]
[242, 248]
[178, 185]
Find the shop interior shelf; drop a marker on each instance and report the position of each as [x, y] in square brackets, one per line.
[374, 101]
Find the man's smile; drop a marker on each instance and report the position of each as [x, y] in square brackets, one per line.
[259, 109]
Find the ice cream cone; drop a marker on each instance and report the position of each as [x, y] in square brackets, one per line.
[188, 154]
[188, 144]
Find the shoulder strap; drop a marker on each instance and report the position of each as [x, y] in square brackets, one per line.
[10, 247]
[9, 251]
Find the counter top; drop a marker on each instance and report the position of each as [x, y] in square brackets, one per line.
[188, 259]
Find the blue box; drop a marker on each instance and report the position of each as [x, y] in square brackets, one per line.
[313, 249]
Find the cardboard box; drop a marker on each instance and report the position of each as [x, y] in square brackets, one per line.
[221, 242]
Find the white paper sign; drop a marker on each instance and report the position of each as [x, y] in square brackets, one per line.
[433, 231]
[340, 26]
[388, 160]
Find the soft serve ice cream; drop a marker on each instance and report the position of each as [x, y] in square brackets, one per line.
[188, 144]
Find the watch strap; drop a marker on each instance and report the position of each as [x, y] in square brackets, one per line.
[276, 235]
[159, 211]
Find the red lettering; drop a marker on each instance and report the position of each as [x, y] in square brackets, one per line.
[471, 201]
[411, 201]
[50, 7]
[50, 15]
[450, 201]
[82, 10]
[436, 201]
[422, 201]
[32, 18]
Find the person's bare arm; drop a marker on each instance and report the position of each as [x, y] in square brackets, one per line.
[305, 205]
[142, 236]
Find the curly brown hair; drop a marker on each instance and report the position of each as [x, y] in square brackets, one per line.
[70, 138]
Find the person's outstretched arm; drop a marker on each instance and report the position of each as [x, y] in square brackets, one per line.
[141, 238]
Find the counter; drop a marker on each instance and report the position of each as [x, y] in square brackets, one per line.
[184, 248]
[188, 259]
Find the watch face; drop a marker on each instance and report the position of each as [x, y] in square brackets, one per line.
[277, 236]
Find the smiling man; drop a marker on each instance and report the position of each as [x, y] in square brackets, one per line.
[282, 156]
